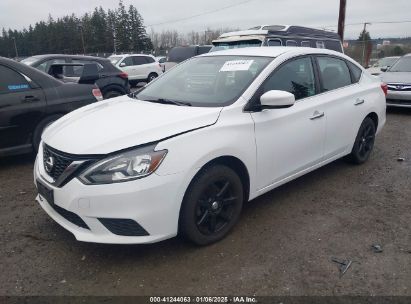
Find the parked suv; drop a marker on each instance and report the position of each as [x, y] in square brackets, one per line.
[111, 81]
[139, 67]
[31, 100]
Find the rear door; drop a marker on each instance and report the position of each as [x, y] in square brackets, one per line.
[22, 105]
[141, 66]
[344, 102]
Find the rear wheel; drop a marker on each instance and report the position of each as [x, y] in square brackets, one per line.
[151, 77]
[364, 142]
[40, 128]
[212, 205]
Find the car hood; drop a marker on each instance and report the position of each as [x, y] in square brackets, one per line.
[123, 122]
[396, 77]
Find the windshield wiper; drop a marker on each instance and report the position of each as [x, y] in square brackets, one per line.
[169, 101]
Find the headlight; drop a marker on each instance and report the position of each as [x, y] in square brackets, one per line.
[123, 167]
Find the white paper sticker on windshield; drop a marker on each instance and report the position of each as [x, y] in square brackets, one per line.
[236, 65]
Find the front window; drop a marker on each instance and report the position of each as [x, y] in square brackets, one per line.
[402, 65]
[211, 81]
[218, 46]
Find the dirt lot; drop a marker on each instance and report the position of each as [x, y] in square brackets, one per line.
[282, 245]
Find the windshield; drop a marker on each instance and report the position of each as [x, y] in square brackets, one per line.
[388, 61]
[211, 81]
[30, 60]
[402, 65]
[115, 59]
[218, 46]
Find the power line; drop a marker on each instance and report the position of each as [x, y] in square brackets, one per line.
[372, 22]
[201, 14]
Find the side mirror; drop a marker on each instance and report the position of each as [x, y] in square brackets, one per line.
[276, 99]
[123, 64]
[90, 74]
[384, 68]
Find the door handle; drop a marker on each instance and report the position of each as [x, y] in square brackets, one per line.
[30, 98]
[317, 115]
[359, 101]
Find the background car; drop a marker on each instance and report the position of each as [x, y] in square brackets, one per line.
[31, 100]
[382, 65]
[279, 35]
[181, 53]
[161, 60]
[139, 67]
[398, 80]
[111, 81]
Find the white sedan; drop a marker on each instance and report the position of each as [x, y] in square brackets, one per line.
[187, 151]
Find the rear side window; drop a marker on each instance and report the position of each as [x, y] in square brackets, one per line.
[305, 44]
[274, 42]
[356, 72]
[334, 73]
[295, 76]
[139, 60]
[11, 81]
[291, 43]
[333, 45]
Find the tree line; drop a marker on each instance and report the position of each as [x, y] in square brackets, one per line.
[101, 31]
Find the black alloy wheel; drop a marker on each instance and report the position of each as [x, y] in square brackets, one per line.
[364, 142]
[212, 205]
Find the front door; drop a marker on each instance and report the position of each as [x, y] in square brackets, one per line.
[289, 140]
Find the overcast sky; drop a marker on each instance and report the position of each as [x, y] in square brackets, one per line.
[320, 13]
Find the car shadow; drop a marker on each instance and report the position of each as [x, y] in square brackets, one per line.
[17, 160]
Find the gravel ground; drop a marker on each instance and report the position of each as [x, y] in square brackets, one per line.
[282, 245]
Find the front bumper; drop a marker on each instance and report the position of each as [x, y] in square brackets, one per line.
[153, 202]
[399, 98]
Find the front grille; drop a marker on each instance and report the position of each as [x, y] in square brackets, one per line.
[124, 227]
[399, 87]
[70, 216]
[60, 162]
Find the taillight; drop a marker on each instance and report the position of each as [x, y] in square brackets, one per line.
[384, 88]
[123, 75]
[97, 94]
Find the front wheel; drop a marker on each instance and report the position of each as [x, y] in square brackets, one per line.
[212, 205]
[364, 142]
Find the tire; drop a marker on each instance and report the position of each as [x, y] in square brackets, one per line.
[364, 142]
[133, 83]
[112, 94]
[40, 128]
[212, 205]
[151, 77]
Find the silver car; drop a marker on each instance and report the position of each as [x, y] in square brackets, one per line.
[398, 80]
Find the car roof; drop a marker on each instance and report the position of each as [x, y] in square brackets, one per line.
[85, 57]
[273, 51]
[126, 55]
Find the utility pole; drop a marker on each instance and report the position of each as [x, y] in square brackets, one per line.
[341, 19]
[363, 43]
[15, 47]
